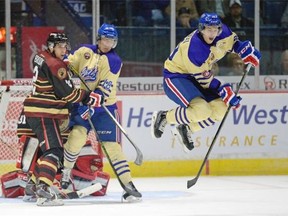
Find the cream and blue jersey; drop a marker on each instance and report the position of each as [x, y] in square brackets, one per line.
[99, 71]
[189, 82]
[193, 57]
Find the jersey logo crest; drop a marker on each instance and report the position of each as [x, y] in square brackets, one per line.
[62, 73]
[89, 75]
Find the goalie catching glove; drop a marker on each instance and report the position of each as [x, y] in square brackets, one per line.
[228, 96]
[247, 52]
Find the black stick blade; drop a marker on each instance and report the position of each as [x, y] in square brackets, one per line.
[191, 182]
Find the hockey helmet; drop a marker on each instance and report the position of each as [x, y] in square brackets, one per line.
[210, 19]
[56, 38]
[108, 31]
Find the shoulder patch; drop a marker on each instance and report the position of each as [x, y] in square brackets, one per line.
[87, 55]
[62, 73]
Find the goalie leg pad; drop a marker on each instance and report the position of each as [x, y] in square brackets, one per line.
[13, 184]
[28, 153]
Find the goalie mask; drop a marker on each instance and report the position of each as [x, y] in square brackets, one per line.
[108, 31]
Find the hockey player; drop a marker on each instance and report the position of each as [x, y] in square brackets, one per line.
[202, 99]
[53, 92]
[99, 66]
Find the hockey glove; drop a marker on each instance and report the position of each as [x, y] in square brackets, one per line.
[84, 112]
[96, 100]
[248, 53]
[228, 96]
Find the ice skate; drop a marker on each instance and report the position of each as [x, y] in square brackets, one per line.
[158, 123]
[65, 178]
[30, 192]
[46, 196]
[131, 194]
[184, 136]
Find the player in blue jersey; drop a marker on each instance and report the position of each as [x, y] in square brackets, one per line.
[99, 67]
[202, 99]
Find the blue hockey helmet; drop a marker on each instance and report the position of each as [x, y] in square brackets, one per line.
[108, 31]
[210, 19]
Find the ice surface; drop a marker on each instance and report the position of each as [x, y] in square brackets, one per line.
[219, 196]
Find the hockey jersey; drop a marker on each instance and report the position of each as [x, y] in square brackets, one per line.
[53, 90]
[194, 57]
[99, 71]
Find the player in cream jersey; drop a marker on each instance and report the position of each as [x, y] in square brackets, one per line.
[99, 67]
[188, 81]
[99, 71]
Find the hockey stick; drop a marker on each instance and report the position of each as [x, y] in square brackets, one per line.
[139, 158]
[81, 193]
[109, 159]
[193, 181]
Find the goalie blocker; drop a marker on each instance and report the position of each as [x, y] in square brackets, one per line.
[88, 171]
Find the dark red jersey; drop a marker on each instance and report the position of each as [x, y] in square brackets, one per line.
[53, 89]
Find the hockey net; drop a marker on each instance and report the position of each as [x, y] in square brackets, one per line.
[12, 95]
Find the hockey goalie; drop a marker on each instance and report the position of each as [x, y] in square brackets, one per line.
[86, 174]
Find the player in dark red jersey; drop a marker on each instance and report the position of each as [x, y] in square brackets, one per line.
[53, 92]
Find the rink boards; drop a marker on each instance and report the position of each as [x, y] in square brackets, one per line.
[253, 140]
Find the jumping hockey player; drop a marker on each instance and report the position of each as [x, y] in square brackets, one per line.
[202, 99]
[53, 92]
[99, 66]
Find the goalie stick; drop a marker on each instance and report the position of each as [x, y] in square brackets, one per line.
[139, 158]
[80, 193]
[193, 181]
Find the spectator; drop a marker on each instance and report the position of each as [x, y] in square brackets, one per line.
[221, 7]
[284, 62]
[235, 18]
[186, 19]
[182, 5]
[235, 65]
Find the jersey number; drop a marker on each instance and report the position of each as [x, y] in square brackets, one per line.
[35, 76]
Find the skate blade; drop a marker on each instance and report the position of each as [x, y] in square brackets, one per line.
[27, 198]
[47, 202]
[131, 199]
[176, 135]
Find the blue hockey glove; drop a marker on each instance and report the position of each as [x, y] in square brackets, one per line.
[248, 53]
[84, 111]
[228, 96]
